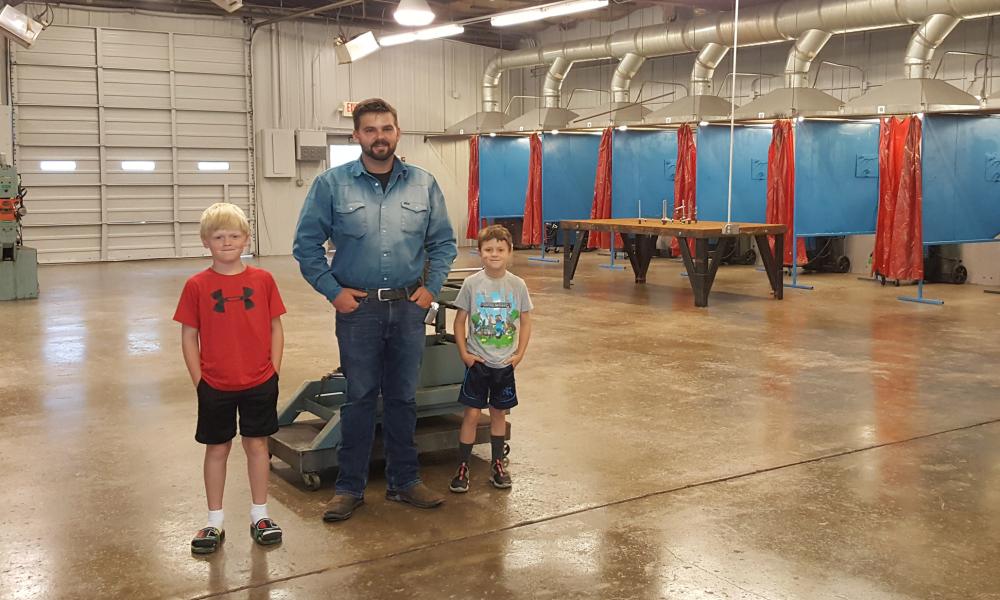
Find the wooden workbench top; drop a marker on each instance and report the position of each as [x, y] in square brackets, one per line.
[652, 226]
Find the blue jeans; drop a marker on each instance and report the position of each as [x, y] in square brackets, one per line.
[381, 347]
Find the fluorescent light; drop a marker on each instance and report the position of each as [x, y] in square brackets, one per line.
[413, 13]
[493, 134]
[138, 165]
[58, 165]
[440, 32]
[703, 124]
[229, 5]
[355, 49]
[19, 27]
[430, 33]
[623, 128]
[213, 166]
[554, 132]
[546, 12]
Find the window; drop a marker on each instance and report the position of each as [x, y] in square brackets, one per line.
[58, 165]
[343, 153]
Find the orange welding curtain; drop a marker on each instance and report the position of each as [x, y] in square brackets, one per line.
[781, 187]
[601, 207]
[531, 231]
[472, 229]
[684, 181]
[899, 234]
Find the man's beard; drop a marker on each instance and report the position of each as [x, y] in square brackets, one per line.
[379, 152]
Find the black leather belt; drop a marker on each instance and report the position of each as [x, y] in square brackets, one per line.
[391, 294]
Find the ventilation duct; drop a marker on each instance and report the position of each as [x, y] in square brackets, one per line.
[916, 92]
[550, 115]
[701, 104]
[762, 24]
[795, 98]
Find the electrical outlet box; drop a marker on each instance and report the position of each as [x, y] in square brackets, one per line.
[310, 145]
[278, 152]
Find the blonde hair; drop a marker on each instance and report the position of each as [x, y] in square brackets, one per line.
[223, 215]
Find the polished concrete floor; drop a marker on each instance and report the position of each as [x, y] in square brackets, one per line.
[837, 444]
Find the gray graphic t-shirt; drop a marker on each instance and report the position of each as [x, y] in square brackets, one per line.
[494, 307]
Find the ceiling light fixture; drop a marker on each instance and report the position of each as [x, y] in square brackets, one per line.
[431, 33]
[413, 13]
[19, 27]
[548, 11]
[229, 5]
[355, 49]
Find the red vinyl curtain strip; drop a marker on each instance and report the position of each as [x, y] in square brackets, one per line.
[684, 181]
[781, 187]
[601, 206]
[899, 230]
[531, 231]
[472, 229]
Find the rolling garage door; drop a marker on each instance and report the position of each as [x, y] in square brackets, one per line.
[123, 137]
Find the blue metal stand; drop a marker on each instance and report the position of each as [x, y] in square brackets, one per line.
[920, 296]
[542, 258]
[795, 267]
[611, 265]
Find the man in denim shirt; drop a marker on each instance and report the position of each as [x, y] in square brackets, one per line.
[386, 219]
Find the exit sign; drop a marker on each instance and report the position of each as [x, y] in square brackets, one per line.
[348, 108]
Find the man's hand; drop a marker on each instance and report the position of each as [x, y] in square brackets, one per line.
[514, 360]
[422, 298]
[347, 300]
[469, 359]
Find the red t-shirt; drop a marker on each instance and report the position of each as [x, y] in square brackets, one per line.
[232, 314]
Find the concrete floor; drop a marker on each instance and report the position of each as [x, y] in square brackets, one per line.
[836, 444]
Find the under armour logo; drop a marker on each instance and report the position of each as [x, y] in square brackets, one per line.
[220, 300]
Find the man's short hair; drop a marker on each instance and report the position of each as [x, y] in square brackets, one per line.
[495, 232]
[373, 105]
[223, 215]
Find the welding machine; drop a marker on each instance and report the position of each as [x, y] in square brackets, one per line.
[18, 263]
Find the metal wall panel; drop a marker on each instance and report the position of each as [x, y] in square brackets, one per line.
[503, 176]
[107, 99]
[749, 173]
[569, 165]
[961, 179]
[642, 166]
[836, 178]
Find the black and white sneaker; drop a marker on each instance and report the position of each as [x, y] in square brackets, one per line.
[460, 483]
[500, 478]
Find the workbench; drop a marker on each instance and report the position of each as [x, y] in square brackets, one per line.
[639, 237]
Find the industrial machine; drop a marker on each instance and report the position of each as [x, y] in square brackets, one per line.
[309, 445]
[826, 254]
[18, 263]
[943, 264]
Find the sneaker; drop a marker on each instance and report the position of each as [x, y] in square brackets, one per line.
[341, 507]
[207, 540]
[460, 484]
[418, 495]
[265, 532]
[500, 478]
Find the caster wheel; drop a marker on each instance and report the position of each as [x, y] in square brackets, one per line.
[312, 481]
[843, 265]
[960, 275]
[749, 257]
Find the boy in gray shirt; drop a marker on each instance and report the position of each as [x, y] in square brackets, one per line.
[495, 305]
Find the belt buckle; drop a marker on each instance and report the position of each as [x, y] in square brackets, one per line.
[378, 294]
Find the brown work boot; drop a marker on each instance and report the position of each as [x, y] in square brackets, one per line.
[418, 495]
[341, 507]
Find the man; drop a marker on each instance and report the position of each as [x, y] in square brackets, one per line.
[386, 220]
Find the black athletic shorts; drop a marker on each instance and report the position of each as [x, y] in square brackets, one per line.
[257, 406]
[488, 386]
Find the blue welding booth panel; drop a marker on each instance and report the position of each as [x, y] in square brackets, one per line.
[642, 167]
[569, 165]
[503, 176]
[836, 178]
[961, 178]
[749, 173]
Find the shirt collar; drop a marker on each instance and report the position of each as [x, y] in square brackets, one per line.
[398, 166]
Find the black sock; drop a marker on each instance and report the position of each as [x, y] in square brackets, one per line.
[496, 443]
[464, 452]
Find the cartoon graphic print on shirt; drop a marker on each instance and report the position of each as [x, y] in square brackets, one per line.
[493, 321]
[220, 300]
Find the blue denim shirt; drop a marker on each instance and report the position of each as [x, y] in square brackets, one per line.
[382, 239]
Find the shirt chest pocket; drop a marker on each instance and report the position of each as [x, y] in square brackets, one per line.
[352, 219]
[415, 216]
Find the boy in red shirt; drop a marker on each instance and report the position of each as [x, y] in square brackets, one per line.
[231, 337]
